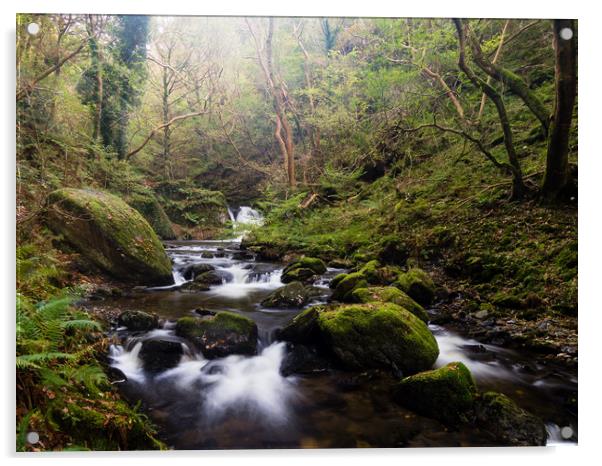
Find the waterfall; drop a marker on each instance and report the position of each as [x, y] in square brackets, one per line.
[231, 215]
[248, 216]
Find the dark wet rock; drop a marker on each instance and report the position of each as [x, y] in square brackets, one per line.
[138, 321]
[294, 294]
[207, 255]
[104, 292]
[194, 287]
[418, 285]
[158, 355]
[204, 312]
[213, 277]
[115, 375]
[366, 336]
[446, 394]
[507, 423]
[243, 256]
[301, 359]
[195, 270]
[220, 335]
[303, 270]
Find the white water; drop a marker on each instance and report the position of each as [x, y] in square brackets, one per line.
[242, 283]
[248, 216]
[128, 362]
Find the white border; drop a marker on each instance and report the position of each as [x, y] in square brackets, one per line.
[590, 132]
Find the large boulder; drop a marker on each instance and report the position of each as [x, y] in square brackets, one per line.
[366, 336]
[446, 394]
[111, 234]
[160, 354]
[508, 423]
[417, 284]
[138, 321]
[194, 270]
[389, 294]
[294, 294]
[147, 204]
[220, 335]
[303, 270]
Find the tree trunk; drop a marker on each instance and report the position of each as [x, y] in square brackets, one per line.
[513, 81]
[166, 128]
[518, 186]
[495, 58]
[557, 177]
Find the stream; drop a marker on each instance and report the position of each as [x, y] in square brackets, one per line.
[244, 401]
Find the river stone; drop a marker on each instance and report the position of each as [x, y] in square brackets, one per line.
[366, 336]
[294, 294]
[446, 394]
[211, 277]
[304, 270]
[111, 234]
[418, 285]
[158, 355]
[138, 321]
[194, 270]
[508, 423]
[220, 335]
[390, 294]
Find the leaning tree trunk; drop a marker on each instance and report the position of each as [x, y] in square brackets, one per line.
[518, 185]
[557, 176]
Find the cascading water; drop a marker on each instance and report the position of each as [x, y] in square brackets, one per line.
[245, 402]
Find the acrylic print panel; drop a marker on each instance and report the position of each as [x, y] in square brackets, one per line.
[252, 233]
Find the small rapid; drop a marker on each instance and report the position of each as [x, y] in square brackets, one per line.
[243, 401]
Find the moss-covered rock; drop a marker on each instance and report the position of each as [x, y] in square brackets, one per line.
[138, 321]
[294, 294]
[111, 234]
[508, 423]
[367, 336]
[303, 270]
[344, 286]
[447, 394]
[389, 294]
[220, 335]
[148, 205]
[194, 270]
[417, 284]
[376, 274]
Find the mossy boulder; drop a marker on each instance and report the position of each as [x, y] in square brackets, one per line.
[193, 207]
[446, 394]
[366, 336]
[219, 335]
[417, 284]
[148, 205]
[192, 271]
[294, 294]
[138, 321]
[376, 274]
[508, 423]
[111, 234]
[303, 270]
[389, 294]
[344, 284]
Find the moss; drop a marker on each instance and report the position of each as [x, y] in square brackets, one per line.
[446, 394]
[337, 279]
[303, 269]
[292, 295]
[389, 294]
[417, 284]
[393, 250]
[376, 274]
[137, 321]
[378, 335]
[220, 335]
[345, 286]
[148, 205]
[506, 300]
[111, 234]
